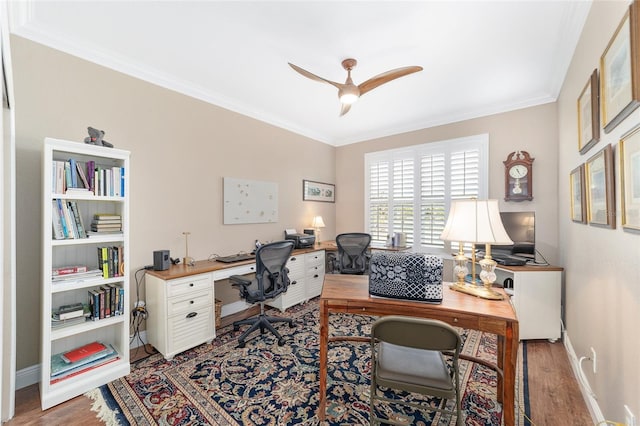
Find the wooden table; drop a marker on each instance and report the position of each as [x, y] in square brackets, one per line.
[350, 294]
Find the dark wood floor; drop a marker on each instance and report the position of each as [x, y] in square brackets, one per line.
[554, 395]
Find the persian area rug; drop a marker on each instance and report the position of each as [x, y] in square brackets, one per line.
[267, 384]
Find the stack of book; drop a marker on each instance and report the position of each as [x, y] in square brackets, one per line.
[66, 315]
[106, 222]
[81, 360]
[111, 261]
[73, 273]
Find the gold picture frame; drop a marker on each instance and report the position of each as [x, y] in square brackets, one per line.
[589, 114]
[620, 71]
[630, 179]
[578, 196]
[600, 191]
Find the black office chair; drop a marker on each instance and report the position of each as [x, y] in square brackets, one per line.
[353, 257]
[271, 280]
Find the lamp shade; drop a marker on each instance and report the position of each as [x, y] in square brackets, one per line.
[475, 221]
[317, 222]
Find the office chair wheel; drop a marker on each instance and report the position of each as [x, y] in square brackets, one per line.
[292, 325]
[241, 345]
[280, 342]
[236, 327]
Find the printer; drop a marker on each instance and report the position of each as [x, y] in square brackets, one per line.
[300, 240]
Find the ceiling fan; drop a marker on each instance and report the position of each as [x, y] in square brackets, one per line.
[348, 92]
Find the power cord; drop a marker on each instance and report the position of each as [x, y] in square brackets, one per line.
[138, 314]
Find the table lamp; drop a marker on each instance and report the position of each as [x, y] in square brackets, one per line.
[477, 222]
[316, 224]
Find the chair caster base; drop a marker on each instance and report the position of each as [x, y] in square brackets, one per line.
[292, 325]
[281, 342]
[241, 345]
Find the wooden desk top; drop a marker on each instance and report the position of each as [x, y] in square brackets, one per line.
[204, 266]
[349, 293]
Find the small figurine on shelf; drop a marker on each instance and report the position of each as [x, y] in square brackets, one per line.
[95, 138]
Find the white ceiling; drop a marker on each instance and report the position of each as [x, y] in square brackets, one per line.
[479, 57]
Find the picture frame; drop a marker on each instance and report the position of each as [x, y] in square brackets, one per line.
[589, 114]
[620, 71]
[630, 179]
[599, 182]
[318, 191]
[578, 196]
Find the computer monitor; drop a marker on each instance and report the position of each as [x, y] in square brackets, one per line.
[521, 229]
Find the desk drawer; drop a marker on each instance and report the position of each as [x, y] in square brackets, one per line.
[315, 258]
[295, 264]
[189, 302]
[188, 330]
[193, 284]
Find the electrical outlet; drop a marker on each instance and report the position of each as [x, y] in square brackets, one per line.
[629, 418]
[593, 360]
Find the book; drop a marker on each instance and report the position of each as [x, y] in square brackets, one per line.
[60, 366]
[59, 180]
[94, 304]
[84, 352]
[91, 166]
[85, 368]
[69, 311]
[71, 223]
[63, 219]
[77, 276]
[65, 270]
[112, 216]
[77, 217]
[58, 233]
[82, 176]
[74, 173]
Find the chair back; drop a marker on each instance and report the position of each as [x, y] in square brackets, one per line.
[352, 252]
[418, 333]
[271, 270]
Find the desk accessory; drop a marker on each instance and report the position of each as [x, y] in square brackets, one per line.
[161, 260]
[189, 261]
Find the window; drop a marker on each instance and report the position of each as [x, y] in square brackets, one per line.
[410, 189]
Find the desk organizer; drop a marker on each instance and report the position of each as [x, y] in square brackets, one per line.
[411, 276]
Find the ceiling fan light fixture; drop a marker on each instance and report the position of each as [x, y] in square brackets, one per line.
[349, 95]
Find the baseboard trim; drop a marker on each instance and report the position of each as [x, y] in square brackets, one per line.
[592, 404]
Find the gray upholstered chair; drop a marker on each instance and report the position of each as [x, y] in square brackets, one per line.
[407, 354]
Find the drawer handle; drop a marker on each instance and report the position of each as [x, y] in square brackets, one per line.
[316, 276]
[293, 259]
[455, 320]
[294, 282]
[191, 314]
[190, 284]
[192, 302]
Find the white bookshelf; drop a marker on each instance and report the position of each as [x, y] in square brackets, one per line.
[63, 252]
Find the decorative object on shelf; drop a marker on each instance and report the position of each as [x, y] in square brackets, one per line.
[589, 114]
[578, 196]
[189, 261]
[477, 222]
[318, 191]
[316, 224]
[600, 193]
[620, 71]
[630, 178]
[518, 176]
[96, 138]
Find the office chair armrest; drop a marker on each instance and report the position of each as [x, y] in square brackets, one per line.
[239, 280]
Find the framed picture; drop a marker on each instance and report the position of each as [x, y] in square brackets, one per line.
[318, 191]
[589, 115]
[578, 198]
[630, 179]
[620, 71]
[600, 191]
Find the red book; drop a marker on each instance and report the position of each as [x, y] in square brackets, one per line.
[82, 352]
[65, 270]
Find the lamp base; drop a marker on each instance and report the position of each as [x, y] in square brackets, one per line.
[478, 291]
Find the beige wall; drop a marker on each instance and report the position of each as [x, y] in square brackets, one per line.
[181, 149]
[602, 276]
[532, 129]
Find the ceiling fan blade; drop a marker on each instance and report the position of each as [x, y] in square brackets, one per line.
[315, 77]
[345, 109]
[386, 77]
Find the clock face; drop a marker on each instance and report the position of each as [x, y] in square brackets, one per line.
[518, 171]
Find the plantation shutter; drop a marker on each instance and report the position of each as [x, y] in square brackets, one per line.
[410, 189]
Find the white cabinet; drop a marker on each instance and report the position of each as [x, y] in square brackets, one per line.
[65, 250]
[536, 298]
[181, 312]
[306, 275]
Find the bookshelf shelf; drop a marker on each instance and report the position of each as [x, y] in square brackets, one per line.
[66, 215]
